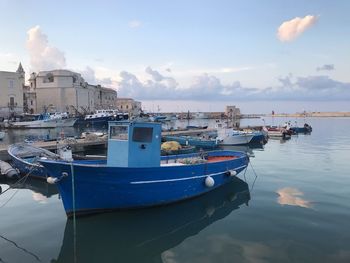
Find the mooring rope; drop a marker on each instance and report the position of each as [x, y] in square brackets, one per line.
[21, 248]
[24, 178]
[74, 214]
[256, 176]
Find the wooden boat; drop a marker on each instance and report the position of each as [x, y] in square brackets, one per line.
[276, 132]
[197, 141]
[196, 127]
[144, 235]
[233, 137]
[135, 175]
[305, 129]
[25, 158]
[47, 120]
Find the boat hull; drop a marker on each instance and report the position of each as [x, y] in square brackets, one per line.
[301, 130]
[43, 124]
[237, 140]
[28, 165]
[100, 188]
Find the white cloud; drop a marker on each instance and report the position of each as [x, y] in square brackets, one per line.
[206, 87]
[43, 56]
[89, 75]
[135, 24]
[326, 67]
[290, 30]
[158, 87]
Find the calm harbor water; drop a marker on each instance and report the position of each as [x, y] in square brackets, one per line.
[297, 209]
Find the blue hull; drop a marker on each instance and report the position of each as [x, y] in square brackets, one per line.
[301, 129]
[100, 121]
[27, 168]
[99, 187]
[258, 138]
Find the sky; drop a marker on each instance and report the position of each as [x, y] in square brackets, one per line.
[286, 56]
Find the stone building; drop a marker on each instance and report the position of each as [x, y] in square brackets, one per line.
[11, 92]
[66, 91]
[129, 105]
[232, 112]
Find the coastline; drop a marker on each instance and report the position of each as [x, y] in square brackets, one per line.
[311, 114]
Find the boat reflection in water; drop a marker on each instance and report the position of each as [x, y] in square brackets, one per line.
[143, 235]
[37, 186]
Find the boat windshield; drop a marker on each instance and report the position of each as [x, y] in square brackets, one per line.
[142, 134]
[119, 133]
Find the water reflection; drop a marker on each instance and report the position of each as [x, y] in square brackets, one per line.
[143, 235]
[41, 189]
[292, 196]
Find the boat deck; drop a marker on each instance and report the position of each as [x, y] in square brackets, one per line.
[80, 144]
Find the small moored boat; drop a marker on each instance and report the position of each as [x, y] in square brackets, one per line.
[25, 158]
[135, 175]
[45, 121]
[234, 137]
[198, 141]
[305, 129]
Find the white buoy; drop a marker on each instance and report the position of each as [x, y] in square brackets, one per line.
[232, 173]
[209, 181]
[51, 180]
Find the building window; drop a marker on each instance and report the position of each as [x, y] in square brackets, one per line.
[31, 103]
[11, 84]
[127, 106]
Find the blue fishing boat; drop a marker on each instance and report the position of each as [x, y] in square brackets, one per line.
[135, 175]
[306, 129]
[25, 158]
[197, 141]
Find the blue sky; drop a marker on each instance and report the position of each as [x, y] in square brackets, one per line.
[196, 55]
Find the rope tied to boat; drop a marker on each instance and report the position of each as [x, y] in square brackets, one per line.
[19, 181]
[74, 214]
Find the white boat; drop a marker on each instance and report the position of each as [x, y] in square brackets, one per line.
[2, 135]
[47, 120]
[228, 136]
[102, 114]
[279, 132]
